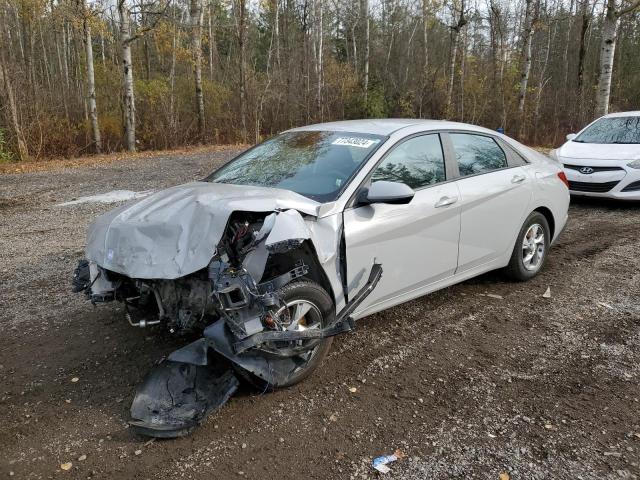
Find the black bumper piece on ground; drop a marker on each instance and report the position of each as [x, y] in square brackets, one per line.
[180, 392]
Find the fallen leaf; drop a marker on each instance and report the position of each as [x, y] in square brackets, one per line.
[504, 476]
[74, 379]
[66, 466]
[138, 452]
[547, 293]
[399, 454]
[353, 389]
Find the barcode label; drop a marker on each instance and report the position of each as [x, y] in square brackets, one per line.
[354, 142]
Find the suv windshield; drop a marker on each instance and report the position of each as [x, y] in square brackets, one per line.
[315, 164]
[612, 130]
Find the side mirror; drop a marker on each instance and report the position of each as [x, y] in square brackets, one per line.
[571, 136]
[386, 192]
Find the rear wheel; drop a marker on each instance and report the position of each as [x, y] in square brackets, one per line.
[530, 251]
[308, 306]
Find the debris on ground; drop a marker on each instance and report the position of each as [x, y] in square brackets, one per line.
[380, 463]
[547, 293]
[493, 295]
[66, 466]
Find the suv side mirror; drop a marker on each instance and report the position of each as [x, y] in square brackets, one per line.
[571, 136]
[386, 192]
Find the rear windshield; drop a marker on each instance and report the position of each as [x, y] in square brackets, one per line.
[612, 130]
[317, 165]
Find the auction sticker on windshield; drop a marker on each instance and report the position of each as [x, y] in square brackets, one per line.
[354, 142]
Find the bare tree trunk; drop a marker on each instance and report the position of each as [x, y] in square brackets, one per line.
[12, 112]
[242, 6]
[197, 12]
[525, 69]
[129, 103]
[172, 82]
[425, 52]
[463, 57]
[212, 40]
[607, 54]
[455, 34]
[91, 83]
[319, 59]
[367, 48]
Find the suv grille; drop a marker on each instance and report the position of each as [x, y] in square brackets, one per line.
[592, 187]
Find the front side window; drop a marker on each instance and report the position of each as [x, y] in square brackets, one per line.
[315, 164]
[477, 154]
[612, 130]
[417, 162]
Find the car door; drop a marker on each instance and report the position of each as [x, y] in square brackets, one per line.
[416, 243]
[495, 192]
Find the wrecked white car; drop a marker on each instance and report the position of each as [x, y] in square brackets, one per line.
[282, 248]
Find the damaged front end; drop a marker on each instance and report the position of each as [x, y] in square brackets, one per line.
[242, 302]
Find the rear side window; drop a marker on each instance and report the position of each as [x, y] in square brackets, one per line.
[417, 162]
[477, 154]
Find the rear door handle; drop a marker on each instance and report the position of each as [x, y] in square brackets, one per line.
[518, 179]
[445, 201]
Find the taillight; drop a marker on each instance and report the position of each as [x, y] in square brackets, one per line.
[563, 177]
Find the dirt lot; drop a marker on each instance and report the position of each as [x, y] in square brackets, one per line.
[467, 385]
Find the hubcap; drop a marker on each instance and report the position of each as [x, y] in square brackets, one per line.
[533, 247]
[298, 315]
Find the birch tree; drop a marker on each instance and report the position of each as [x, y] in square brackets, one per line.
[607, 51]
[196, 17]
[530, 19]
[128, 95]
[91, 82]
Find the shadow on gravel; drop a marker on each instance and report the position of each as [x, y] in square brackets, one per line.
[606, 203]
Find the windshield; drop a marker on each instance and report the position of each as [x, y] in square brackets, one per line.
[612, 130]
[317, 165]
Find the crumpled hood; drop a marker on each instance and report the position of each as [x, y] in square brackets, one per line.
[174, 232]
[599, 151]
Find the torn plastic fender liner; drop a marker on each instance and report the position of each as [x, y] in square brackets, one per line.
[175, 397]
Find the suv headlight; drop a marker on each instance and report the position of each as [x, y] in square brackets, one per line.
[634, 164]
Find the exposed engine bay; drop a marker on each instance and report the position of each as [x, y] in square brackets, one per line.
[241, 303]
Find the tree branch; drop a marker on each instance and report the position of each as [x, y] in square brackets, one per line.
[629, 9]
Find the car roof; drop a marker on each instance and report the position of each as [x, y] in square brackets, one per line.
[635, 113]
[387, 126]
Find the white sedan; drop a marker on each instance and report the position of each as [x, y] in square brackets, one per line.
[282, 248]
[603, 160]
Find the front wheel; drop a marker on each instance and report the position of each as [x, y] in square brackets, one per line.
[308, 306]
[530, 250]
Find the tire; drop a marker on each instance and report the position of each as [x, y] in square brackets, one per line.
[519, 268]
[312, 293]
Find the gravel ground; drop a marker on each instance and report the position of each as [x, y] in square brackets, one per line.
[466, 385]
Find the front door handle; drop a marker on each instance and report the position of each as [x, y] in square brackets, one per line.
[518, 179]
[445, 201]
